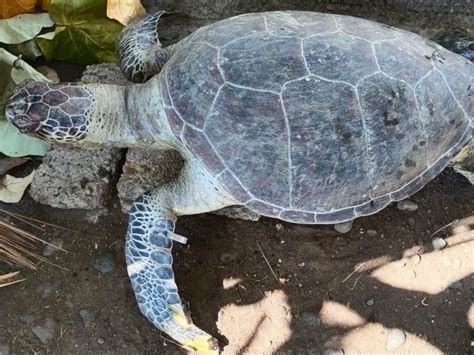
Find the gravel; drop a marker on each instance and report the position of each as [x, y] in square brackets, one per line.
[343, 228]
[396, 338]
[46, 331]
[104, 263]
[371, 233]
[227, 258]
[87, 317]
[438, 243]
[407, 205]
[4, 349]
[455, 285]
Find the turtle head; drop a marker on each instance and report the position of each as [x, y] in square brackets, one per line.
[55, 112]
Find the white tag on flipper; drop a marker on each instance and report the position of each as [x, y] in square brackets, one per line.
[177, 238]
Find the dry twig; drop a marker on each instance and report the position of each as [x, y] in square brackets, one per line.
[269, 266]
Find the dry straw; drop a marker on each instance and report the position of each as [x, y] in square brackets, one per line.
[18, 247]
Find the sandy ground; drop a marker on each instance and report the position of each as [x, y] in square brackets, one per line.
[380, 288]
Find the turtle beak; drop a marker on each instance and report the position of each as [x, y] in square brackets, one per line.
[15, 112]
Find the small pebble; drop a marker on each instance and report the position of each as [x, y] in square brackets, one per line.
[44, 289]
[396, 338]
[371, 233]
[455, 286]
[343, 227]
[227, 258]
[101, 341]
[87, 316]
[411, 221]
[46, 331]
[279, 227]
[50, 249]
[333, 352]
[438, 243]
[370, 302]
[407, 205]
[104, 263]
[4, 349]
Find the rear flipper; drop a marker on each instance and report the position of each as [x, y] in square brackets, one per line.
[140, 54]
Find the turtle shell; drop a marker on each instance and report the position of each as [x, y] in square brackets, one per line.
[317, 118]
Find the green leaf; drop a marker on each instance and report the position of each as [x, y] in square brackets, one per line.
[84, 34]
[11, 74]
[15, 144]
[12, 142]
[23, 27]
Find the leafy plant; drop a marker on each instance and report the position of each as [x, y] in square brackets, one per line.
[24, 27]
[83, 35]
[13, 72]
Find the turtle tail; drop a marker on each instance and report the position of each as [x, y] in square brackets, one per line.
[139, 48]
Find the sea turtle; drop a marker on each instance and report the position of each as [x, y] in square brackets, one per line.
[306, 117]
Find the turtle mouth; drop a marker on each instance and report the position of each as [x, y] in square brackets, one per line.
[15, 112]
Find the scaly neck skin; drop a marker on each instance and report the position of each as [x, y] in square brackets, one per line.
[128, 116]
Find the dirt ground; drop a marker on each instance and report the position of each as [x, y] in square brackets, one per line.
[377, 289]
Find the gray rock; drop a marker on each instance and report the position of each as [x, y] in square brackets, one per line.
[438, 243]
[50, 249]
[371, 233]
[46, 331]
[396, 338]
[455, 285]
[101, 341]
[104, 73]
[87, 317]
[75, 178]
[145, 170]
[407, 205]
[343, 227]
[370, 302]
[227, 258]
[45, 289]
[333, 352]
[4, 349]
[463, 163]
[104, 263]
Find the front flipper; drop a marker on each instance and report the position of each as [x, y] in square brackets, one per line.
[149, 259]
[148, 251]
[140, 54]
